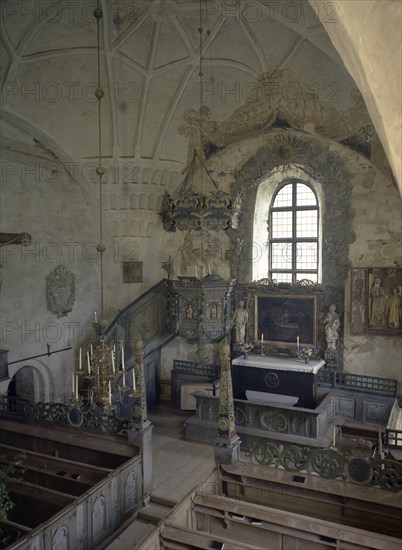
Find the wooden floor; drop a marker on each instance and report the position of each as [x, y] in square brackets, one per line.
[178, 465]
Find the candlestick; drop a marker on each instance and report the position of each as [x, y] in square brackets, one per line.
[133, 379]
[380, 442]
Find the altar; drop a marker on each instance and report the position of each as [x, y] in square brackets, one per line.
[277, 375]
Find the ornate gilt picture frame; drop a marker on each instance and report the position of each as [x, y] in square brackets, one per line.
[285, 320]
[376, 301]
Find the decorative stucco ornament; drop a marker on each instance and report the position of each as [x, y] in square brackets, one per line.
[60, 291]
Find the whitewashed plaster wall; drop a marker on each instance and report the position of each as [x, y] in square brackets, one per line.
[44, 202]
[367, 35]
[377, 224]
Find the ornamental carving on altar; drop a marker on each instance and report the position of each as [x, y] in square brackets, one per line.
[60, 291]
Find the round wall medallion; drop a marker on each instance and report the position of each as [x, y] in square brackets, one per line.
[271, 380]
[359, 470]
[274, 421]
[75, 417]
[223, 424]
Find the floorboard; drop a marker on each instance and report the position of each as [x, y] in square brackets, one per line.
[178, 465]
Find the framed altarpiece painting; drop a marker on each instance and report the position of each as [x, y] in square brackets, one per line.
[376, 300]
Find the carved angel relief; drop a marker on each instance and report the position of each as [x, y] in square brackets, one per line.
[60, 291]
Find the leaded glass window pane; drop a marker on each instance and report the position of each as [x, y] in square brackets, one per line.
[282, 225]
[311, 276]
[304, 195]
[306, 257]
[281, 256]
[306, 223]
[284, 197]
[283, 277]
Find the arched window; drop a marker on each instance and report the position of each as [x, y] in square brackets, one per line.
[294, 234]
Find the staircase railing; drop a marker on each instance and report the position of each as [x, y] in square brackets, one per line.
[148, 317]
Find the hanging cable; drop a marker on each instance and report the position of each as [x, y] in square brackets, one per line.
[99, 93]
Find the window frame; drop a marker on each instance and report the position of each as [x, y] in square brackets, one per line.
[294, 240]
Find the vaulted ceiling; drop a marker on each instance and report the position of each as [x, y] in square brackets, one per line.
[150, 55]
[150, 66]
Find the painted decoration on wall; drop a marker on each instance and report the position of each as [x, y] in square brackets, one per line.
[286, 319]
[60, 291]
[376, 301]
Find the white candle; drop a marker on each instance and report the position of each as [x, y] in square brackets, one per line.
[72, 384]
[298, 342]
[92, 350]
[110, 392]
[262, 338]
[196, 274]
[89, 363]
[122, 357]
[113, 365]
[209, 269]
[124, 378]
[133, 379]
[96, 318]
[334, 442]
[76, 386]
[80, 359]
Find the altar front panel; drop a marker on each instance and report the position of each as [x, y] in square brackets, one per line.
[276, 375]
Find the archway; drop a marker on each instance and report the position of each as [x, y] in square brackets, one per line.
[31, 383]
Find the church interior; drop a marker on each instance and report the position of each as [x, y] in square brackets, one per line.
[201, 339]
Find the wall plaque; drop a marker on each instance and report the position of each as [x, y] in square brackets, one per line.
[132, 272]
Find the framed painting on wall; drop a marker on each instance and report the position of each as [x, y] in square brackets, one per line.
[284, 320]
[376, 298]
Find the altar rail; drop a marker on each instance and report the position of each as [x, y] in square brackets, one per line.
[59, 413]
[393, 432]
[346, 380]
[254, 421]
[199, 369]
[356, 463]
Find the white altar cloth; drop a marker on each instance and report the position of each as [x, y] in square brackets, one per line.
[291, 364]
